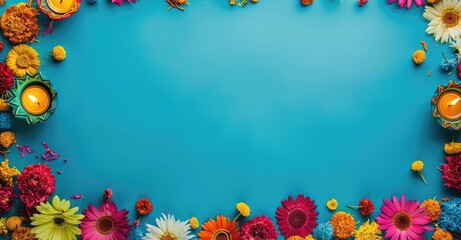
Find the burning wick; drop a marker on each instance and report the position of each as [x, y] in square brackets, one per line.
[453, 103]
[34, 99]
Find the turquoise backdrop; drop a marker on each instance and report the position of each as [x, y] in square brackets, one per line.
[201, 109]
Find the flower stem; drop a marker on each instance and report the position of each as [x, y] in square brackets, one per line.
[443, 54]
[422, 177]
[237, 217]
[355, 207]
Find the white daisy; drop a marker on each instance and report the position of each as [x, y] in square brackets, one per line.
[445, 20]
[168, 229]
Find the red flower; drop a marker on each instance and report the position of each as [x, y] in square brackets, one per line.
[362, 2]
[107, 194]
[258, 228]
[459, 69]
[366, 207]
[451, 171]
[6, 198]
[306, 2]
[144, 206]
[6, 77]
[297, 217]
[36, 184]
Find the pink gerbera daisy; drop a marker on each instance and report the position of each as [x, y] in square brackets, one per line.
[105, 223]
[297, 217]
[403, 220]
[408, 3]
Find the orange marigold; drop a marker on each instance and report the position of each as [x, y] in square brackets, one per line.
[343, 225]
[432, 208]
[19, 23]
[144, 206]
[440, 234]
[22, 233]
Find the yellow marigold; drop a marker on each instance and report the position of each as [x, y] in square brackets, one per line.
[193, 222]
[232, 2]
[13, 222]
[343, 225]
[19, 23]
[419, 56]
[432, 208]
[417, 165]
[296, 237]
[332, 204]
[310, 237]
[7, 139]
[7, 173]
[23, 59]
[440, 234]
[243, 209]
[368, 231]
[4, 106]
[59, 53]
[452, 148]
[3, 228]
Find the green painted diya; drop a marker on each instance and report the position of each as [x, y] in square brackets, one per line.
[446, 106]
[33, 98]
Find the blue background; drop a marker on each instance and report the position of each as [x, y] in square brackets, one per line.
[201, 109]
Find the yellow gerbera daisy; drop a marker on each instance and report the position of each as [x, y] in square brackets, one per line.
[23, 59]
[445, 20]
[56, 220]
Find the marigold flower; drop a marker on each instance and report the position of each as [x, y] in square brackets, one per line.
[243, 209]
[452, 147]
[19, 23]
[440, 234]
[306, 2]
[59, 53]
[144, 206]
[7, 173]
[7, 139]
[343, 225]
[3, 228]
[332, 204]
[4, 106]
[23, 59]
[296, 237]
[194, 224]
[418, 167]
[362, 2]
[366, 207]
[22, 233]
[419, 56]
[433, 208]
[368, 231]
[13, 222]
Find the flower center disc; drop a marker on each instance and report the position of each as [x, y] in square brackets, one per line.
[105, 225]
[402, 220]
[450, 18]
[22, 61]
[58, 220]
[297, 218]
[168, 237]
[221, 235]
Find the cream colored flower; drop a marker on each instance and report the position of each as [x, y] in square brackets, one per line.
[445, 20]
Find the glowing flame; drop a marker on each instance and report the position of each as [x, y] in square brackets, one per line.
[33, 98]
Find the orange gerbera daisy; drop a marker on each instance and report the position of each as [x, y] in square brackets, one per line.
[221, 229]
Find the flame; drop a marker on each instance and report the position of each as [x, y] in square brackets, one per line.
[33, 98]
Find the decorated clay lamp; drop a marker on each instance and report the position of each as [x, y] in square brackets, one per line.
[58, 10]
[32, 99]
[446, 106]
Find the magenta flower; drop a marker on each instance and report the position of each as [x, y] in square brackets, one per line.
[408, 3]
[403, 219]
[120, 2]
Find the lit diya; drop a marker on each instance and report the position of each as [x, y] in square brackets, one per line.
[446, 106]
[58, 10]
[33, 98]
